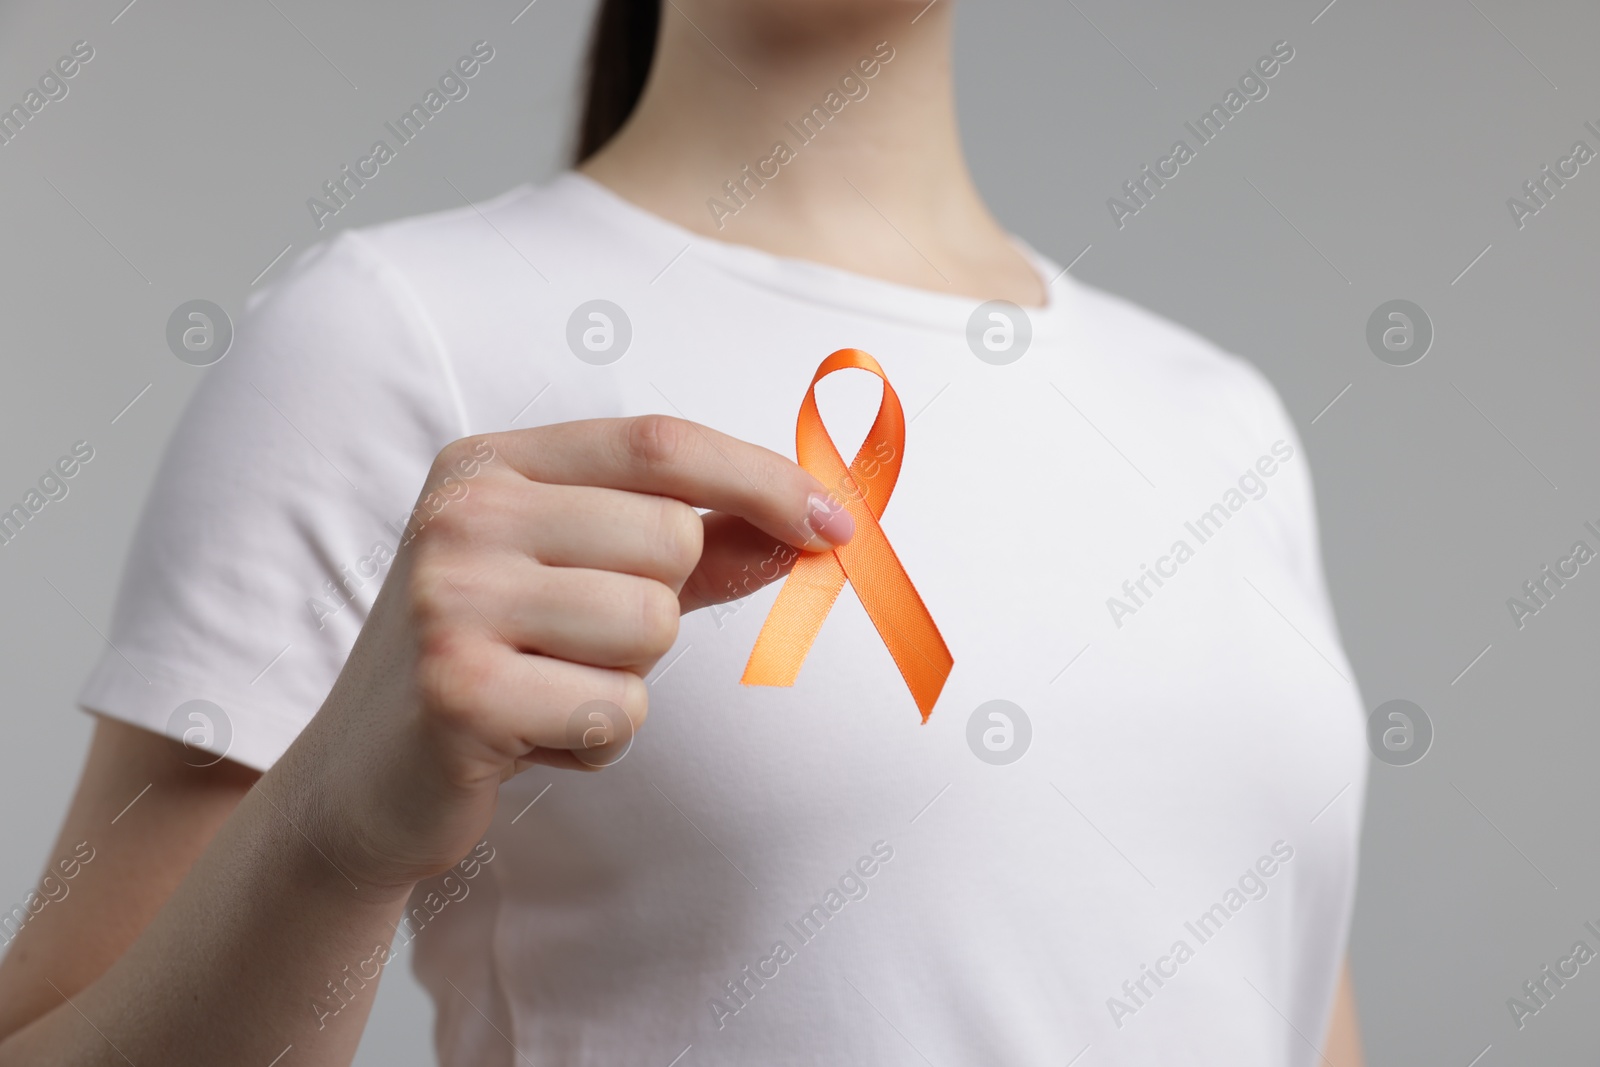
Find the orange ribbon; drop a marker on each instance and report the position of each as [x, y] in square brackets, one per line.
[867, 562]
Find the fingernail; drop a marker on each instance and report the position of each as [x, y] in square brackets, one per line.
[829, 520]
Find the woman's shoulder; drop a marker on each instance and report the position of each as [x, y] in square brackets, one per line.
[530, 232]
[1165, 355]
[459, 230]
[529, 229]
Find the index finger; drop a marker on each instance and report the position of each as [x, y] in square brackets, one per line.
[677, 458]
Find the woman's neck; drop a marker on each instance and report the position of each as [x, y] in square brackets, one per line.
[830, 137]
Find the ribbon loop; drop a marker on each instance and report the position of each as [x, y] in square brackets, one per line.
[868, 562]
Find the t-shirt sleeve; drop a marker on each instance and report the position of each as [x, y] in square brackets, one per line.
[1291, 498]
[278, 505]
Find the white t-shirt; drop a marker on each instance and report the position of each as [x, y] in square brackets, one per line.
[1114, 533]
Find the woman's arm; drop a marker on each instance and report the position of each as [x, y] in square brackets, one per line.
[1344, 1029]
[556, 583]
[229, 964]
[143, 815]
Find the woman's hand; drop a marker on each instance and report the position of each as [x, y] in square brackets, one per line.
[555, 580]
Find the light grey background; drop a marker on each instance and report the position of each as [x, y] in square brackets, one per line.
[1378, 167]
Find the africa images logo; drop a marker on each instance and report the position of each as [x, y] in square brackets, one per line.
[1253, 885]
[1252, 85]
[853, 885]
[453, 86]
[740, 190]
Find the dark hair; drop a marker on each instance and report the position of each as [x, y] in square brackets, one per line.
[620, 50]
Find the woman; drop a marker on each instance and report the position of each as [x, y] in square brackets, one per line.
[1133, 859]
